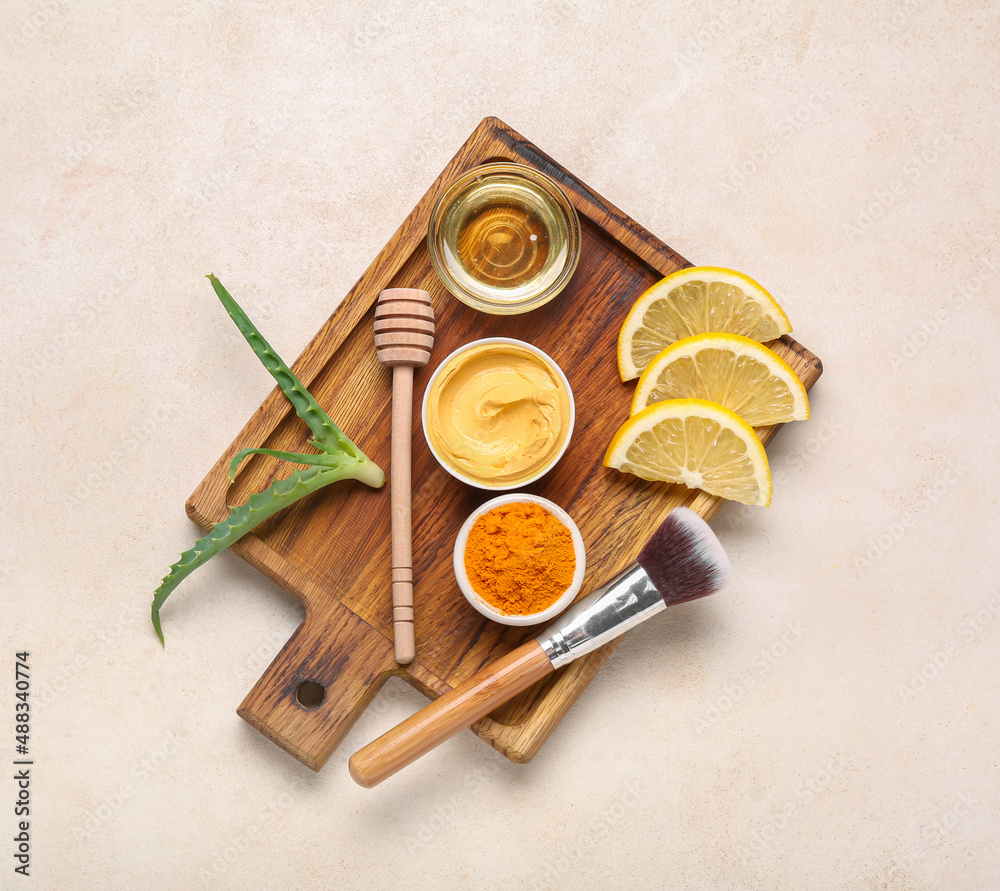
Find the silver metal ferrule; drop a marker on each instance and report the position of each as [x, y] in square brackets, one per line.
[624, 602]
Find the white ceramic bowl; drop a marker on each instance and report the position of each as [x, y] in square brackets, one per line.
[486, 609]
[548, 361]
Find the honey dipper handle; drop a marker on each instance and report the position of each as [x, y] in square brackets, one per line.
[444, 717]
[404, 336]
[400, 496]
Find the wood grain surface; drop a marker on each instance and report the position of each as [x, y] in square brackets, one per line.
[332, 550]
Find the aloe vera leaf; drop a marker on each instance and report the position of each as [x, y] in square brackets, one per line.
[254, 511]
[326, 458]
[339, 458]
[306, 407]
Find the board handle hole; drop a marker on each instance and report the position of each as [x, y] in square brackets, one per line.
[310, 694]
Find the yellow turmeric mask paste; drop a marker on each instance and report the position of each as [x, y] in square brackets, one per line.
[498, 413]
[519, 558]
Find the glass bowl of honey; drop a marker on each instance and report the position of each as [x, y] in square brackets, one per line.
[504, 238]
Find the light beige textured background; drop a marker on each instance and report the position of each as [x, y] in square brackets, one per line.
[828, 722]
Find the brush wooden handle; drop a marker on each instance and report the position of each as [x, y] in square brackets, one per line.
[444, 717]
[404, 335]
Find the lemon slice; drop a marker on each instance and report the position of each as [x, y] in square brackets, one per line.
[696, 301]
[698, 443]
[735, 371]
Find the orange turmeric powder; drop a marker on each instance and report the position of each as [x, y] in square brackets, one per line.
[520, 558]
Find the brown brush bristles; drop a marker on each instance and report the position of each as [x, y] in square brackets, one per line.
[684, 559]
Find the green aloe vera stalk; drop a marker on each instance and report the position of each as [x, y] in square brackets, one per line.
[338, 459]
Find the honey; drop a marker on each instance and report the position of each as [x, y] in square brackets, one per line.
[503, 245]
[504, 238]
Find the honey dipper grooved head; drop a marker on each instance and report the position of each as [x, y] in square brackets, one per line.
[404, 327]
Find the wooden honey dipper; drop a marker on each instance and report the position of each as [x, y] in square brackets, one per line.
[404, 336]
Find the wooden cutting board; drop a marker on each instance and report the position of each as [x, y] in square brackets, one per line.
[332, 550]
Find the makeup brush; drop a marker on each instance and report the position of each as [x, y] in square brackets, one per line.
[404, 336]
[682, 561]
